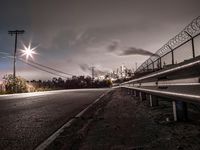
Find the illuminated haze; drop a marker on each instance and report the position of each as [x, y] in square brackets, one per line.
[71, 33]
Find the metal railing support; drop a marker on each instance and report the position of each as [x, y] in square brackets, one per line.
[153, 100]
[137, 93]
[134, 92]
[129, 91]
[142, 96]
[180, 111]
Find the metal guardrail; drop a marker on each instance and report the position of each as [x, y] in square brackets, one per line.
[179, 100]
[158, 76]
[168, 94]
[162, 84]
[165, 72]
[185, 45]
[160, 87]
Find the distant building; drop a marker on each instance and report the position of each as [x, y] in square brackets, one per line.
[121, 73]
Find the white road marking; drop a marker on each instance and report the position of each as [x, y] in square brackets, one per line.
[50, 139]
[33, 94]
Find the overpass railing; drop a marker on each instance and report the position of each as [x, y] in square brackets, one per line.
[184, 46]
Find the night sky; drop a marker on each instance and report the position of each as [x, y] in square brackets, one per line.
[72, 33]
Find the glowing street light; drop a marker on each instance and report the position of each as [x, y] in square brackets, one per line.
[28, 51]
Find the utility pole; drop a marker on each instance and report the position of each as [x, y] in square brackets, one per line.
[92, 72]
[92, 69]
[16, 33]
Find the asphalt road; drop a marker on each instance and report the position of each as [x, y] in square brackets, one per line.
[26, 120]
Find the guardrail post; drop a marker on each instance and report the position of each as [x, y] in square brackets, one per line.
[131, 91]
[142, 96]
[128, 91]
[134, 92]
[137, 93]
[180, 111]
[153, 100]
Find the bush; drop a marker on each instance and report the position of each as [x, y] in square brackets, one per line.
[18, 85]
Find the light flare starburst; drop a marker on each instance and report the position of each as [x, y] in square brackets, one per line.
[28, 51]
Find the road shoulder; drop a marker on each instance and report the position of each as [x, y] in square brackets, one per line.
[122, 122]
[126, 123]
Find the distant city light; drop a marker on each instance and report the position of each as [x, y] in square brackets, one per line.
[28, 51]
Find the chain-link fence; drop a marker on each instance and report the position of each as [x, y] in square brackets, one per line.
[184, 46]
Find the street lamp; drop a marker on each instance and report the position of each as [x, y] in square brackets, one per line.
[28, 51]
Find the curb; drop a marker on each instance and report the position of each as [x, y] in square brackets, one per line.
[52, 137]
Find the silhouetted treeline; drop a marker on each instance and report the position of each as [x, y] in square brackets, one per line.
[71, 83]
[118, 81]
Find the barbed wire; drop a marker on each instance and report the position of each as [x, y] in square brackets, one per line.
[190, 31]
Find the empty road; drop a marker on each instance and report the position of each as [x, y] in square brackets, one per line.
[28, 119]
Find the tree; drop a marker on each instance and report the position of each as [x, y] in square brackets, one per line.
[19, 83]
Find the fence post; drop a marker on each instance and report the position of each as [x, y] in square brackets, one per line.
[172, 51]
[192, 40]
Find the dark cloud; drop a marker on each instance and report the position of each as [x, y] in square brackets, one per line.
[135, 51]
[115, 45]
[84, 67]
